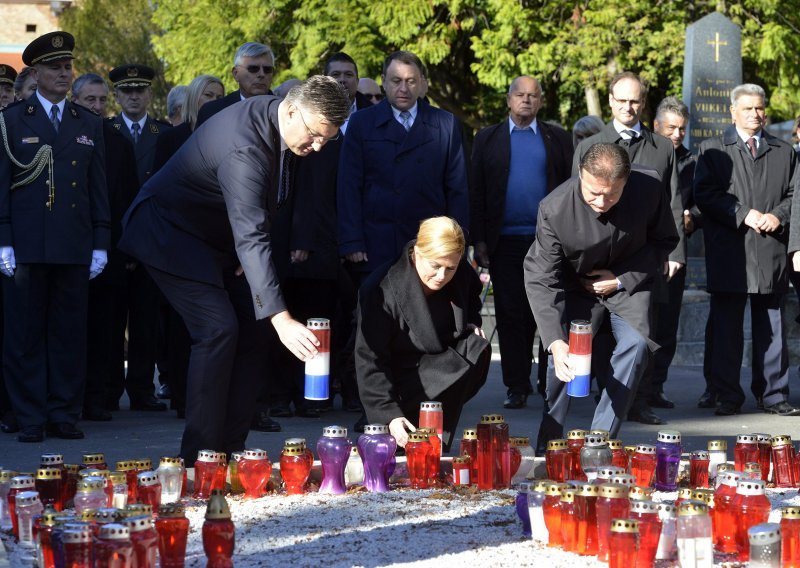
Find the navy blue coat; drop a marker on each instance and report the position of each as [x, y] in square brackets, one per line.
[79, 221]
[389, 179]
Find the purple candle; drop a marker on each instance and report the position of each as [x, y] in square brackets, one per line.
[333, 449]
[376, 448]
[668, 457]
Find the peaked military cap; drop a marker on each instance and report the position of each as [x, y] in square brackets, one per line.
[132, 75]
[7, 74]
[49, 47]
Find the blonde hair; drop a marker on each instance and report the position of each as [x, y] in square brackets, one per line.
[195, 89]
[440, 236]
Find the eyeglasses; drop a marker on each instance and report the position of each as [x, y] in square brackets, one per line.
[378, 97]
[316, 136]
[635, 103]
[253, 69]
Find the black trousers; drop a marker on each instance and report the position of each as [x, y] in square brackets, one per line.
[178, 354]
[667, 317]
[227, 363]
[44, 352]
[770, 352]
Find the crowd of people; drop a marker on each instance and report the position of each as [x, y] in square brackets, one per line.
[211, 237]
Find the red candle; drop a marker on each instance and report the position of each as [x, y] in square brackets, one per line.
[698, 468]
[295, 469]
[149, 489]
[612, 504]
[172, 527]
[586, 519]
[43, 526]
[764, 454]
[70, 484]
[144, 539]
[746, 450]
[417, 450]
[431, 416]
[516, 455]
[619, 457]
[707, 497]
[646, 512]
[50, 487]
[751, 507]
[684, 494]
[205, 473]
[724, 515]
[783, 461]
[575, 439]
[485, 454]
[569, 525]
[469, 447]
[461, 470]
[77, 545]
[112, 547]
[19, 484]
[501, 448]
[643, 465]
[752, 470]
[434, 457]
[790, 537]
[623, 543]
[129, 467]
[254, 471]
[558, 460]
[552, 513]
[94, 461]
[219, 534]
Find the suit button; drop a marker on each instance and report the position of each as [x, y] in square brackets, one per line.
[74, 184]
[47, 182]
[74, 163]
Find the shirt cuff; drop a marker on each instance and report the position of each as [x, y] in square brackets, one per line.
[619, 285]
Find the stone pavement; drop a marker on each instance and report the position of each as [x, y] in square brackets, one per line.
[143, 434]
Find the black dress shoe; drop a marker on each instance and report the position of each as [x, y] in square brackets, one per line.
[660, 401]
[645, 416]
[280, 411]
[96, 414]
[64, 430]
[148, 404]
[164, 392]
[8, 424]
[707, 400]
[727, 409]
[782, 409]
[31, 435]
[306, 411]
[263, 423]
[515, 400]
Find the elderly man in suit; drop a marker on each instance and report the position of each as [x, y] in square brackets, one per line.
[601, 238]
[202, 227]
[54, 234]
[627, 94]
[253, 70]
[514, 165]
[401, 162]
[743, 186]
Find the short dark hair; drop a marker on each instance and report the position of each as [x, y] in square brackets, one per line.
[404, 57]
[20, 80]
[87, 79]
[673, 105]
[324, 96]
[627, 75]
[606, 161]
[340, 57]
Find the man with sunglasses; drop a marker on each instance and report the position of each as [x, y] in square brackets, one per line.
[253, 69]
[370, 90]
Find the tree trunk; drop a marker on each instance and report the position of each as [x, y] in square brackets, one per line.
[593, 102]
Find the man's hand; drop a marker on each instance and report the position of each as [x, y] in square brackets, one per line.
[560, 351]
[295, 336]
[399, 428]
[360, 256]
[600, 282]
[296, 256]
[753, 219]
[8, 262]
[688, 222]
[482, 254]
[671, 268]
[476, 330]
[99, 261]
[796, 261]
[768, 223]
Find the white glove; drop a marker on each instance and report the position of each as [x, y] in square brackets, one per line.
[99, 260]
[7, 261]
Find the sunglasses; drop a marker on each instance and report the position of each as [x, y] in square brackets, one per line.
[378, 97]
[253, 69]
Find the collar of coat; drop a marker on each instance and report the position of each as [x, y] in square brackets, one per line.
[731, 136]
[644, 132]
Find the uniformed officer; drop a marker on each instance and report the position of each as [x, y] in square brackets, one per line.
[7, 76]
[8, 423]
[132, 90]
[54, 234]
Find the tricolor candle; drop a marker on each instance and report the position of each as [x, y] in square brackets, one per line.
[580, 357]
[318, 368]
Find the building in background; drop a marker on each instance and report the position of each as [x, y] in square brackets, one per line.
[24, 21]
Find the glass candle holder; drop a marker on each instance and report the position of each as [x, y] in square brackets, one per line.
[119, 484]
[43, 526]
[461, 472]
[580, 357]
[113, 547]
[575, 440]
[783, 461]
[254, 471]
[527, 458]
[170, 475]
[586, 519]
[751, 507]
[77, 545]
[612, 503]
[569, 525]
[724, 514]
[376, 447]
[144, 539]
[684, 494]
[149, 489]
[501, 451]
[18, 484]
[752, 470]
[790, 537]
[694, 535]
[318, 368]
[746, 450]
[431, 416]
[595, 454]
[172, 527]
[558, 460]
[604, 474]
[552, 512]
[619, 457]
[91, 494]
[434, 457]
[717, 454]
[333, 449]
[764, 454]
[219, 533]
[28, 506]
[129, 468]
[295, 470]
[765, 545]
[698, 468]
[418, 449]
[233, 471]
[205, 473]
[520, 504]
[5, 486]
[667, 542]
[623, 543]
[646, 512]
[536, 490]
[469, 447]
[668, 457]
[50, 487]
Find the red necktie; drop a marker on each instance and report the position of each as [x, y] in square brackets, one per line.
[751, 143]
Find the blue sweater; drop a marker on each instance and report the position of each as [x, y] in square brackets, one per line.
[527, 182]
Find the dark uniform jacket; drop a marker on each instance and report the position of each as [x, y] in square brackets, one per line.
[398, 352]
[491, 158]
[654, 152]
[632, 240]
[728, 182]
[207, 209]
[168, 143]
[79, 221]
[146, 146]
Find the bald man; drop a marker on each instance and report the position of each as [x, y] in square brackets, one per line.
[370, 89]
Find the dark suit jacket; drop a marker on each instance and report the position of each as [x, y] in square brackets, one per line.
[398, 352]
[168, 143]
[491, 156]
[213, 107]
[145, 148]
[389, 179]
[632, 240]
[79, 221]
[207, 209]
[728, 182]
[654, 152]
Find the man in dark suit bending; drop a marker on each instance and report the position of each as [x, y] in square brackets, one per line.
[601, 238]
[204, 220]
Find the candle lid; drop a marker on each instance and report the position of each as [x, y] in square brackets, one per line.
[492, 419]
[576, 434]
[602, 433]
[790, 512]
[640, 493]
[540, 485]
[293, 451]
[139, 523]
[554, 489]
[704, 495]
[469, 433]
[582, 325]
[255, 454]
[692, 508]
[115, 531]
[26, 498]
[644, 506]
[45, 473]
[725, 466]
[418, 436]
[49, 460]
[717, 445]
[431, 432]
[623, 479]
[76, 536]
[105, 515]
[145, 464]
[430, 406]
[762, 438]
[335, 431]
[125, 465]
[669, 436]
[147, 478]
[136, 509]
[461, 459]
[645, 449]
[568, 495]
[595, 441]
[318, 323]
[235, 456]
[587, 490]
[171, 511]
[22, 482]
[6, 475]
[92, 472]
[88, 484]
[217, 506]
[750, 487]
[700, 455]
[730, 478]
[752, 467]
[207, 456]
[50, 516]
[72, 468]
[625, 526]
[614, 491]
[763, 534]
[300, 442]
[554, 445]
[746, 439]
[90, 459]
[608, 470]
[615, 444]
[666, 510]
[169, 461]
[781, 440]
[118, 477]
[384, 429]
[87, 515]
[685, 493]
[522, 441]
